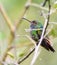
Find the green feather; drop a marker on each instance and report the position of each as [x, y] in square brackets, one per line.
[33, 32]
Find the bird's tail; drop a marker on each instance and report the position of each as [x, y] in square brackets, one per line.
[46, 44]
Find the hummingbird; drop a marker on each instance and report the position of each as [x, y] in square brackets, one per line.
[36, 35]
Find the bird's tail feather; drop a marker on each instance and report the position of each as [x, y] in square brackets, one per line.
[51, 48]
[46, 44]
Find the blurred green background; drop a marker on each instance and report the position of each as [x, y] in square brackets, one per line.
[14, 9]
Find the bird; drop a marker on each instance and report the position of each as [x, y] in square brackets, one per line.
[36, 35]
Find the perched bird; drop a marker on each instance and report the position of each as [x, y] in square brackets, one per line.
[36, 35]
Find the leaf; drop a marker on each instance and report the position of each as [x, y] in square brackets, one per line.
[10, 54]
[21, 54]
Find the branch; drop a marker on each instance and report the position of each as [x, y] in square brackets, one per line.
[42, 36]
[43, 8]
[28, 38]
[29, 30]
[10, 40]
[12, 34]
[27, 5]
[55, 23]
[20, 61]
[8, 21]
[44, 3]
[39, 6]
[48, 17]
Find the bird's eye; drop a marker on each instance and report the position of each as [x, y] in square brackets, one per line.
[34, 22]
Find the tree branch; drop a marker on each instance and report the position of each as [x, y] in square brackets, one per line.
[42, 36]
[8, 21]
[12, 34]
[20, 61]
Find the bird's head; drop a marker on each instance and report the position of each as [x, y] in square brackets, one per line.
[33, 23]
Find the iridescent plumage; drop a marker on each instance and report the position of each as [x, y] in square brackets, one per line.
[36, 34]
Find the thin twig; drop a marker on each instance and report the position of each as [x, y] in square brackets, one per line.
[2, 10]
[39, 6]
[20, 61]
[29, 30]
[8, 21]
[9, 45]
[27, 36]
[43, 8]
[48, 17]
[12, 34]
[55, 23]
[31, 40]
[37, 47]
[27, 5]
[42, 36]
[44, 3]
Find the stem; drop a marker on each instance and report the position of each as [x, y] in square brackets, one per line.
[20, 61]
[42, 36]
[12, 34]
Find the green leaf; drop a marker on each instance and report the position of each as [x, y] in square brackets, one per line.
[21, 54]
[11, 55]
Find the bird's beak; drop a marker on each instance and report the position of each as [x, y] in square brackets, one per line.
[26, 20]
